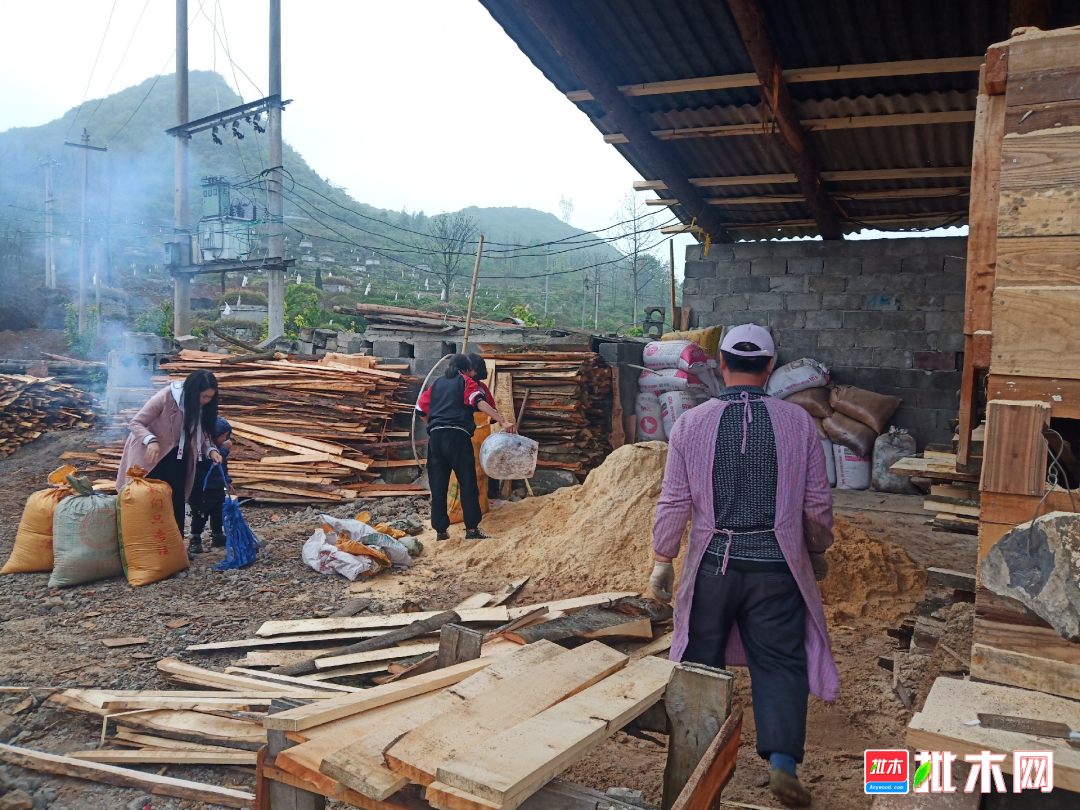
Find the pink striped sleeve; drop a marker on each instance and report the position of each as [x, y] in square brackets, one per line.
[675, 504]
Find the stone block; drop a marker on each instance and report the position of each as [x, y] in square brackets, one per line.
[392, 349]
[934, 361]
[699, 269]
[844, 266]
[726, 268]
[913, 341]
[805, 267]
[876, 340]
[945, 283]
[881, 301]
[691, 286]
[904, 247]
[768, 266]
[824, 284]
[767, 301]
[794, 338]
[824, 319]
[850, 358]
[739, 302]
[693, 252]
[923, 264]
[892, 358]
[940, 399]
[951, 341]
[840, 301]
[882, 265]
[942, 322]
[787, 284]
[923, 302]
[433, 349]
[784, 319]
[836, 339]
[803, 301]
[954, 303]
[756, 250]
[714, 286]
[749, 284]
[956, 264]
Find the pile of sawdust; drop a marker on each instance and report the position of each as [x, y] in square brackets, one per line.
[868, 578]
[597, 537]
[584, 539]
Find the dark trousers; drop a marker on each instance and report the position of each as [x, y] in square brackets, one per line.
[451, 450]
[207, 505]
[770, 613]
[173, 471]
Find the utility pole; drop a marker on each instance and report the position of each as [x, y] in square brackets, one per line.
[584, 296]
[596, 301]
[181, 280]
[50, 258]
[86, 147]
[274, 185]
[547, 278]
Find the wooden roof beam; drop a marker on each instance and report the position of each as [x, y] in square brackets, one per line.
[547, 18]
[925, 219]
[775, 96]
[871, 70]
[861, 195]
[920, 173]
[810, 125]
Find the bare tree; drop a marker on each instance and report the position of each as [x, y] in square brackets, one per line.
[635, 236]
[450, 237]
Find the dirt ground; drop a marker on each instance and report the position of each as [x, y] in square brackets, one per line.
[53, 638]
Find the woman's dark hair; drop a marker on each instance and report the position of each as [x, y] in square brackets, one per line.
[459, 364]
[479, 366]
[195, 384]
[745, 365]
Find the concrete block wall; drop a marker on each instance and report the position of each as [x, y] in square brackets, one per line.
[883, 314]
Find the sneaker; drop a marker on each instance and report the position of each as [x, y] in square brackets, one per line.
[218, 541]
[442, 535]
[476, 534]
[195, 546]
[787, 788]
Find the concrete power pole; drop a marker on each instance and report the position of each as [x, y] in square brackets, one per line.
[596, 301]
[87, 148]
[274, 185]
[50, 256]
[181, 280]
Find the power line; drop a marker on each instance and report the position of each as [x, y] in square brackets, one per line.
[119, 64]
[93, 68]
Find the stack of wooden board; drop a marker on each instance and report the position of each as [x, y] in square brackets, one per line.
[567, 398]
[303, 432]
[30, 406]
[954, 499]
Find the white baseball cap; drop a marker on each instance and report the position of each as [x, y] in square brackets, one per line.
[749, 333]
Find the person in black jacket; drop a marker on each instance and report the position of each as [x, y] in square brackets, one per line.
[212, 483]
[448, 405]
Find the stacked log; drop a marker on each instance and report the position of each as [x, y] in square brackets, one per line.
[30, 406]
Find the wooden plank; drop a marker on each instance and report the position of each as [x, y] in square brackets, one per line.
[998, 507]
[127, 641]
[983, 210]
[1025, 671]
[512, 589]
[495, 615]
[935, 468]
[510, 766]
[943, 507]
[196, 727]
[716, 768]
[1052, 350]
[128, 737]
[1038, 212]
[1038, 261]
[1039, 51]
[1062, 394]
[355, 745]
[1047, 159]
[457, 644]
[420, 752]
[943, 724]
[178, 670]
[333, 791]
[168, 757]
[920, 173]
[371, 656]
[698, 701]
[346, 705]
[124, 777]
[1014, 459]
[477, 600]
[302, 683]
[275, 641]
[656, 647]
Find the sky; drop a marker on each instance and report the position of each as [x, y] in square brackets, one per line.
[418, 104]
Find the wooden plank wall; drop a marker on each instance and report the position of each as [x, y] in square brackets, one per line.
[1033, 290]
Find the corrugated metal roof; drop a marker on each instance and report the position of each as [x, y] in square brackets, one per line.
[644, 41]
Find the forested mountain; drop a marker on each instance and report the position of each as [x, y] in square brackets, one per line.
[531, 258]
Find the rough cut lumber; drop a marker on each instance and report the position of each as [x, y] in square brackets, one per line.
[1038, 261]
[1027, 671]
[169, 757]
[329, 624]
[512, 589]
[371, 656]
[591, 624]
[1052, 350]
[196, 727]
[952, 704]
[30, 406]
[477, 600]
[124, 777]
[281, 657]
[180, 671]
[127, 641]
[656, 647]
[127, 737]
[419, 753]
[457, 644]
[419, 627]
[1014, 459]
[301, 683]
[510, 766]
[698, 702]
[336, 708]
[356, 744]
[716, 768]
[939, 469]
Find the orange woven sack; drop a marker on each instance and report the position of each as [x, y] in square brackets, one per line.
[150, 542]
[33, 549]
[453, 495]
[360, 550]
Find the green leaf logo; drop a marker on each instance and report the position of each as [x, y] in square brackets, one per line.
[922, 774]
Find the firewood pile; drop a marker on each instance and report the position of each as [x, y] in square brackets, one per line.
[30, 406]
[567, 398]
[303, 432]
[69, 370]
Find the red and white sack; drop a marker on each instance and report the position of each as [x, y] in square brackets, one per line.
[798, 375]
[852, 470]
[658, 381]
[830, 459]
[650, 425]
[674, 404]
[685, 355]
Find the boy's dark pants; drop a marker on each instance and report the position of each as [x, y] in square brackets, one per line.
[451, 450]
[207, 505]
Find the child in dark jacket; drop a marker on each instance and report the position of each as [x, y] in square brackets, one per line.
[212, 483]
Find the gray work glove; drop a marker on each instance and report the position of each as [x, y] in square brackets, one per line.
[820, 565]
[662, 581]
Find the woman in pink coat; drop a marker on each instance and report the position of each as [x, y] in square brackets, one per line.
[173, 430]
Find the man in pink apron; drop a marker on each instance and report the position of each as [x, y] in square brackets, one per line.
[750, 473]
